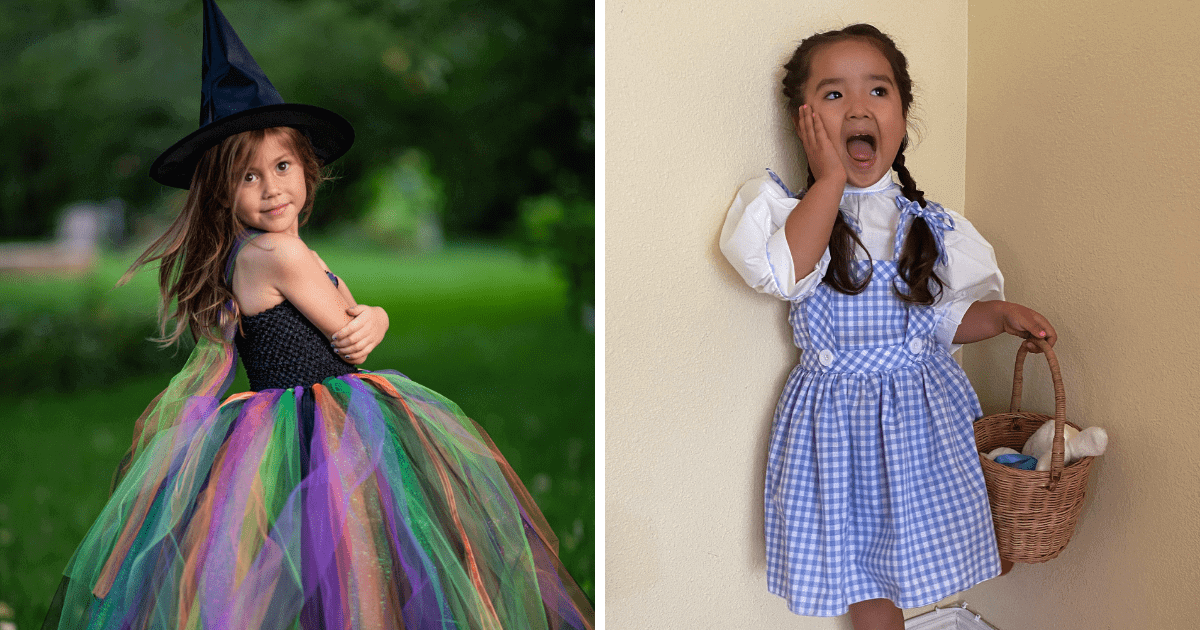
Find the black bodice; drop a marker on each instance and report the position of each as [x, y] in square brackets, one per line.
[282, 349]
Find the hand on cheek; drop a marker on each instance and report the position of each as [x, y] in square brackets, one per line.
[823, 158]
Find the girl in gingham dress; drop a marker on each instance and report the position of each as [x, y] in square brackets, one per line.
[874, 496]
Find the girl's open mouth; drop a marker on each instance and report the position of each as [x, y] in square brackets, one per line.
[861, 148]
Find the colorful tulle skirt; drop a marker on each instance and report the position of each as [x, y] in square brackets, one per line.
[365, 501]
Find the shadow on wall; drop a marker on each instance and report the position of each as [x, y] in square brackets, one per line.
[762, 426]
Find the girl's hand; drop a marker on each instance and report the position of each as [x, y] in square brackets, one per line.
[822, 156]
[808, 226]
[1025, 322]
[985, 320]
[358, 338]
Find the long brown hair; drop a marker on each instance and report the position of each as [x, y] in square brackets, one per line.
[919, 253]
[193, 251]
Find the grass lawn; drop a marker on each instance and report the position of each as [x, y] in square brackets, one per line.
[479, 324]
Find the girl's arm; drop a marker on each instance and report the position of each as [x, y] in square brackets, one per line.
[343, 290]
[984, 320]
[357, 339]
[283, 264]
[286, 265]
[366, 330]
[809, 225]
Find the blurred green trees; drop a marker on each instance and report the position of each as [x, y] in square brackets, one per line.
[498, 95]
[562, 231]
[407, 205]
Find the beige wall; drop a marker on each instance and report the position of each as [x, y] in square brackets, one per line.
[694, 358]
[1082, 147]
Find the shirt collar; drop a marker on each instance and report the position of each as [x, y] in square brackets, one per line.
[883, 184]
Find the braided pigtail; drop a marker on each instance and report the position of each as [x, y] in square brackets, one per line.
[843, 241]
[919, 253]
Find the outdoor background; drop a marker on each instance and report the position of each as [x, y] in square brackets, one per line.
[464, 209]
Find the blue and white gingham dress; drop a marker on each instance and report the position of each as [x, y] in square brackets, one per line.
[873, 484]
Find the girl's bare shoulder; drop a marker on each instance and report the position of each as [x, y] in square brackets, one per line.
[272, 252]
[271, 267]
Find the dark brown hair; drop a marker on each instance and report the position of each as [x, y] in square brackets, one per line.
[193, 251]
[919, 253]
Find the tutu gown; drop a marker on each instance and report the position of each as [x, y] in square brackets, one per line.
[327, 497]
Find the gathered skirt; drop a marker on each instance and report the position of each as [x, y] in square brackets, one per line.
[363, 501]
[874, 489]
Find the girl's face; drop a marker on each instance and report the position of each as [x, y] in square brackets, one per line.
[851, 87]
[271, 193]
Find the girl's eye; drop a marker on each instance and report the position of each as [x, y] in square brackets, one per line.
[879, 91]
[250, 177]
[832, 94]
[282, 166]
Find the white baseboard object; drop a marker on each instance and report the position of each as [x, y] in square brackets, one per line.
[947, 619]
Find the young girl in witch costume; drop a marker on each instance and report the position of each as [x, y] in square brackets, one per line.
[327, 497]
[874, 496]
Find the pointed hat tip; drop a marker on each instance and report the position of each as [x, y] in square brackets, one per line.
[232, 81]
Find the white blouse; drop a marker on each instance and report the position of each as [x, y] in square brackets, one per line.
[753, 240]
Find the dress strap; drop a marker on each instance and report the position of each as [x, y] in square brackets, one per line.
[849, 218]
[246, 236]
[782, 185]
[936, 217]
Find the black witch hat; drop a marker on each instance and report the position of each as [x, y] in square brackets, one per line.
[235, 96]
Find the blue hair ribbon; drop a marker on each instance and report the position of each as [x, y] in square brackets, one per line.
[936, 217]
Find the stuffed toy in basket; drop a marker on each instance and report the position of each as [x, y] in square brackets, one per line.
[1034, 511]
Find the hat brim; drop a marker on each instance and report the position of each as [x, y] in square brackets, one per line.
[330, 134]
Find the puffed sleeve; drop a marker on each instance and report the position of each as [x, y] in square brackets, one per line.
[753, 241]
[970, 275]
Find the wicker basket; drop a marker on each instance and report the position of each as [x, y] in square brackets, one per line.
[1034, 512]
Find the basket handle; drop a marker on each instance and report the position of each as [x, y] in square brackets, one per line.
[1060, 402]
